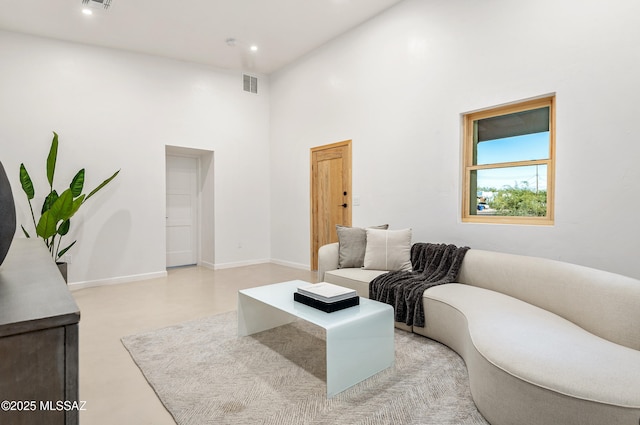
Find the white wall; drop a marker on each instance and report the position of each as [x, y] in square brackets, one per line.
[398, 85]
[117, 110]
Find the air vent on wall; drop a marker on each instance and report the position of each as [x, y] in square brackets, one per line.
[97, 4]
[249, 83]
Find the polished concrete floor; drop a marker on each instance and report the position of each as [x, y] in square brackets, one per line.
[111, 384]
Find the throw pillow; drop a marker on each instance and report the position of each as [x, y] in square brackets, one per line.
[388, 250]
[352, 242]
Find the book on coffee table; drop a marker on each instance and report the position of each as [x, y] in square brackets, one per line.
[327, 292]
[325, 306]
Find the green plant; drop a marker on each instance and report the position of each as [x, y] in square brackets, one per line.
[57, 210]
[518, 200]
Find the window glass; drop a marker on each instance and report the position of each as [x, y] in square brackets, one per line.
[517, 148]
[509, 164]
[512, 191]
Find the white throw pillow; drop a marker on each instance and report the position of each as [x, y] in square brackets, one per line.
[388, 250]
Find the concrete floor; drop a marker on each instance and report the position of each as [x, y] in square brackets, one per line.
[113, 387]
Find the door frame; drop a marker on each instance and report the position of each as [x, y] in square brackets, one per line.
[314, 193]
[205, 205]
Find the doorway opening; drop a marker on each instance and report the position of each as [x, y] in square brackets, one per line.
[189, 227]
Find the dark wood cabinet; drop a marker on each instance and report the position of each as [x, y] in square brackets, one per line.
[38, 339]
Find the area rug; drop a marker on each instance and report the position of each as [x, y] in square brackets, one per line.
[205, 374]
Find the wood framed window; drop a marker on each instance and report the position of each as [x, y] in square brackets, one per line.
[509, 164]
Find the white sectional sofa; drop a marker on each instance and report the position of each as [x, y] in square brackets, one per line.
[545, 342]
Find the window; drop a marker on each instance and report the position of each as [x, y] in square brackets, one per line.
[509, 163]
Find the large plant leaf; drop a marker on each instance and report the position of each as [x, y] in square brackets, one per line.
[64, 251]
[27, 184]
[77, 184]
[103, 184]
[51, 159]
[63, 229]
[62, 208]
[46, 225]
[51, 198]
[76, 205]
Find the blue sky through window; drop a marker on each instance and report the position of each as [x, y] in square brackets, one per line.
[511, 149]
[532, 176]
[517, 148]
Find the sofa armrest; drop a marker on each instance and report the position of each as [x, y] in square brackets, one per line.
[328, 257]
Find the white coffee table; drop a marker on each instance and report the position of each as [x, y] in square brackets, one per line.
[359, 340]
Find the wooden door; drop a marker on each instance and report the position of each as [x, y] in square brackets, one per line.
[330, 194]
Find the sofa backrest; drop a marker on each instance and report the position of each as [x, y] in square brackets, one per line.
[603, 303]
[328, 259]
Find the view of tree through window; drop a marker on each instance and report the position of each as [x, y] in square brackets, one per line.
[509, 164]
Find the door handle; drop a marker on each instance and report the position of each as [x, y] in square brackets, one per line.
[343, 205]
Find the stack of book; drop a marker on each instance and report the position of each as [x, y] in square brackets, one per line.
[326, 297]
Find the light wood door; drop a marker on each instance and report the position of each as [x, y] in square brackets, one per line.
[182, 209]
[330, 194]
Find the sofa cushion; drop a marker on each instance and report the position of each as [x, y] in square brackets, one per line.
[352, 242]
[353, 278]
[604, 303]
[540, 347]
[388, 250]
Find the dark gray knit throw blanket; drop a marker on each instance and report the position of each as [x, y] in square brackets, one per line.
[433, 264]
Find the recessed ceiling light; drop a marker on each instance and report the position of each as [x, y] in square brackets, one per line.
[254, 48]
[87, 11]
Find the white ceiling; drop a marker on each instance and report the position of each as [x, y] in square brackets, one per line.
[197, 30]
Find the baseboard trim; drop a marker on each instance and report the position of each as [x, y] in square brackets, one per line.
[74, 286]
[291, 264]
[207, 264]
[116, 280]
[219, 266]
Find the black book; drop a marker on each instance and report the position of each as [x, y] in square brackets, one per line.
[326, 307]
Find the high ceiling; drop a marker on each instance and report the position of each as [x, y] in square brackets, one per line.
[196, 30]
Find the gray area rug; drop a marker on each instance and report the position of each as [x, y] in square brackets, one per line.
[205, 374]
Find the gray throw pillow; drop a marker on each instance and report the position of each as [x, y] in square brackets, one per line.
[352, 243]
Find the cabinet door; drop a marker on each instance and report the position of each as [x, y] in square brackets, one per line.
[33, 369]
